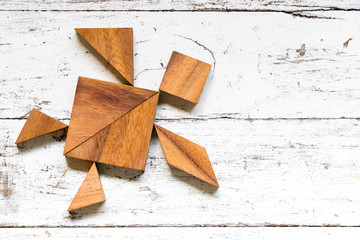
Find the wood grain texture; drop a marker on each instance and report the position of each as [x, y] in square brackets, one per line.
[115, 45]
[38, 124]
[186, 155]
[97, 104]
[124, 143]
[293, 132]
[185, 77]
[183, 5]
[90, 191]
[269, 78]
[268, 170]
[165, 233]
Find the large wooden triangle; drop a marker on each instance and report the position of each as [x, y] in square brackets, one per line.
[38, 124]
[90, 191]
[97, 104]
[186, 155]
[115, 45]
[124, 143]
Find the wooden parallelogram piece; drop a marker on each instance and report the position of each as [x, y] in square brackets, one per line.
[111, 123]
[39, 124]
[115, 45]
[186, 155]
[185, 77]
[90, 191]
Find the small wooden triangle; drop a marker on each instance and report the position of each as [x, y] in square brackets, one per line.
[39, 124]
[124, 143]
[97, 104]
[186, 155]
[90, 191]
[115, 45]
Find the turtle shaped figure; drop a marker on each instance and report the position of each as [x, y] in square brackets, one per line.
[112, 123]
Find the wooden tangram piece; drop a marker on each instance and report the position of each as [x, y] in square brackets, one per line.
[115, 45]
[39, 124]
[185, 77]
[90, 191]
[111, 123]
[186, 155]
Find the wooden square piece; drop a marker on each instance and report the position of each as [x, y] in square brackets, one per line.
[111, 123]
[185, 77]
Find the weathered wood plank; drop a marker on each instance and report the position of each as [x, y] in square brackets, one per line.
[267, 65]
[283, 172]
[182, 233]
[180, 5]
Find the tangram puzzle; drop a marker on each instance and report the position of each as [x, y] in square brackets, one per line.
[112, 123]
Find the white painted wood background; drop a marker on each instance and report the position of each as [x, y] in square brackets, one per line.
[279, 117]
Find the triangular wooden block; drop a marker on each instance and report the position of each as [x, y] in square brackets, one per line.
[97, 104]
[115, 45]
[124, 143]
[90, 191]
[39, 124]
[186, 155]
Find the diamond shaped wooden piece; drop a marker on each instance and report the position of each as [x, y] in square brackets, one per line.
[186, 155]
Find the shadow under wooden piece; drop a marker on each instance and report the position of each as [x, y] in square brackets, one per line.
[193, 181]
[120, 172]
[105, 169]
[84, 211]
[166, 98]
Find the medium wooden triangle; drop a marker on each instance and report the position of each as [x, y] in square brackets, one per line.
[186, 155]
[124, 143]
[90, 191]
[38, 124]
[97, 104]
[115, 45]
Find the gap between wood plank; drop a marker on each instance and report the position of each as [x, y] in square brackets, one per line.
[194, 226]
[310, 9]
[295, 13]
[225, 117]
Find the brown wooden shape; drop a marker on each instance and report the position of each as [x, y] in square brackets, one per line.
[115, 45]
[185, 77]
[186, 155]
[90, 191]
[39, 124]
[125, 142]
[97, 104]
